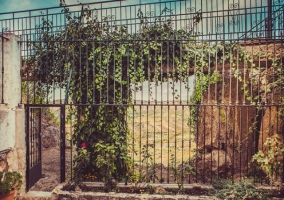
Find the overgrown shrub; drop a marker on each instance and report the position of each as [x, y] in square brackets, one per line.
[245, 189]
[269, 159]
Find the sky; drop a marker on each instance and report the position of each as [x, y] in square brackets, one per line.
[220, 8]
[20, 5]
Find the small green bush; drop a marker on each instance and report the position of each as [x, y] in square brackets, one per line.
[10, 181]
[225, 189]
[268, 160]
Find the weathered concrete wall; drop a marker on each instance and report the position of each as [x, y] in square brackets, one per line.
[7, 127]
[12, 90]
[12, 67]
[12, 116]
[3, 160]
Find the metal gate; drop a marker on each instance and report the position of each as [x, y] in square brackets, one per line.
[33, 142]
[33, 139]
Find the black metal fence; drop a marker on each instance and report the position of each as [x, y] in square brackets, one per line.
[34, 157]
[199, 83]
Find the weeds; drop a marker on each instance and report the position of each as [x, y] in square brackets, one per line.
[226, 189]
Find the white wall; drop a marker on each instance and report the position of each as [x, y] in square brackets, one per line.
[12, 90]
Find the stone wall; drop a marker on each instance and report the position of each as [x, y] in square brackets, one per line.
[231, 128]
[223, 128]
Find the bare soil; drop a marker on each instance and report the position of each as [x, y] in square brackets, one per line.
[51, 169]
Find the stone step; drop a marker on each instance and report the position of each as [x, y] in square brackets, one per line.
[35, 195]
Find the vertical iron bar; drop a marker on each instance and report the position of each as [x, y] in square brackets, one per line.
[39, 139]
[204, 140]
[233, 142]
[219, 129]
[133, 140]
[94, 75]
[71, 145]
[100, 75]
[226, 138]
[168, 175]
[281, 87]
[32, 138]
[155, 69]
[173, 69]
[154, 135]
[277, 131]
[87, 74]
[140, 135]
[182, 144]
[255, 141]
[211, 141]
[240, 141]
[161, 109]
[270, 133]
[27, 113]
[175, 155]
[2, 72]
[62, 143]
[269, 23]
[80, 70]
[189, 142]
[262, 131]
[128, 75]
[247, 138]
[147, 138]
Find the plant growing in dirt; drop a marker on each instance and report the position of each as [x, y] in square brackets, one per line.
[9, 181]
[151, 171]
[139, 178]
[81, 162]
[245, 189]
[269, 159]
[185, 169]
[106, 163]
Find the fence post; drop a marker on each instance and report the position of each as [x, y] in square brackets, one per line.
[269, 23]
[12, 115]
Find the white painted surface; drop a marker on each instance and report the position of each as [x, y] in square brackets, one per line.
[7, 128]
[12, 79]
[12, 90]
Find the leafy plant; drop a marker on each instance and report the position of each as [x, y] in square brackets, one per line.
[106, 162]
[268, 159]
[10, 181]
[81, 163]
[226, 189]
[255, 172]
[50, 116]
[149, 174]
[185, 169]
[151, 170]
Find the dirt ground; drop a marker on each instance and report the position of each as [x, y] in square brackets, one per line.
[51, 169]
